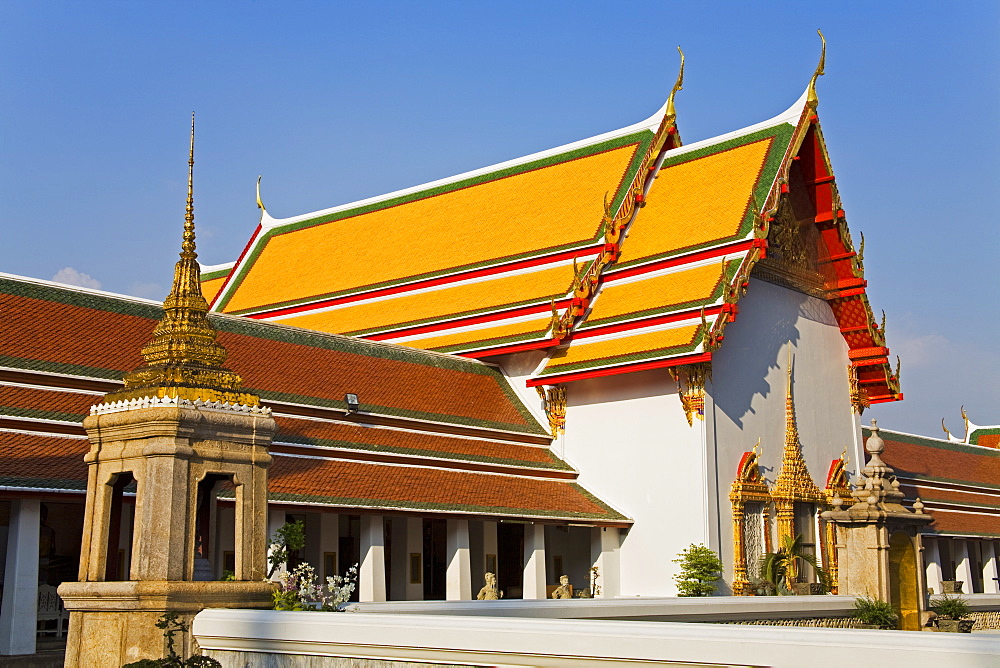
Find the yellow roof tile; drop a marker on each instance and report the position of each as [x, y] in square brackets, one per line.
[620, 299]
[408, 307]
[696, 202]
[524, 213]
[613, 350]
[211, 287]
[537, 325]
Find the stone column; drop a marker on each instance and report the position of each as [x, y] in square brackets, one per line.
[371, 578]
[963, 569]
[605, 544]
[398, 560]
[20, 584]
[414, 545]
[990, 571]
[275, 520]
[534, 561]
[459, 573]
[932, 565]
[329, 541]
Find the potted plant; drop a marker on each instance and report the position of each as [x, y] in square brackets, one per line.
[775, 568]
[873, 613]
[953, 613]
[951, 586]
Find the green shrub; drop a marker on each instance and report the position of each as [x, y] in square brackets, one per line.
[701, 568]
[950, 607]
[171, 626]
[775, 567]
[876, 612]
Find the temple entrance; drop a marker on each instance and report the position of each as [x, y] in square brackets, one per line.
[435, 560]
[510, 560]
[903, 593]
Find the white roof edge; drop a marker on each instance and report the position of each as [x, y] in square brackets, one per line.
[209, 268]
[91, 291]
[790, 115]
[268, 222]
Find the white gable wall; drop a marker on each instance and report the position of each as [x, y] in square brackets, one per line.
[747, 392]
[628, 437]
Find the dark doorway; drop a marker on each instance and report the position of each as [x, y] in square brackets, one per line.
[510, 560]
[435, 560]
[350, 546]
[116, 567]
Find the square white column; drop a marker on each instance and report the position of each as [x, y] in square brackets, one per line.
[414, 559]
[18, 614]
[275, 520]
[329, 542]
[963, 569]
[534, 561]
[371, 578]
[990, 571]
[605, 546]
[459, 572]
[932, 565]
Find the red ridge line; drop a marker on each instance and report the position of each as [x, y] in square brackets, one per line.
[680, 261]
[648, 322]
[613, 371]
[504, 350]
[431, 282]
[462, 322]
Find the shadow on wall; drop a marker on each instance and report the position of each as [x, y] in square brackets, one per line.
[757, 342]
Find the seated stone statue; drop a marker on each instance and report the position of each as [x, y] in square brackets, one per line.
[489, 592]
[564, 590]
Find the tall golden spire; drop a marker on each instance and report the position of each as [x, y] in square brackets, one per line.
[183, 359]
[793, 482]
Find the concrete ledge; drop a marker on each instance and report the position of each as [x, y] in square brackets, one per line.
[239, 638]
[654, 609]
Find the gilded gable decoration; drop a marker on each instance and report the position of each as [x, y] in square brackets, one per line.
[837, 489]
[691, 389]
[751, 501]
[554, 403]
[859, 396]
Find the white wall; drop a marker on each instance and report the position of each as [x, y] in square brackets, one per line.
[628, 437]
[747, 392]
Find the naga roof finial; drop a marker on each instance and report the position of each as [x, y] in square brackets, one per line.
[671, 111]
[812, 99]
[260, 202]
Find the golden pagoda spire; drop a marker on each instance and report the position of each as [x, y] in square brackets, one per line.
[794, 481]
[183, 360]
[813, 99]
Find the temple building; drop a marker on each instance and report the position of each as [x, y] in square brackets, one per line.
[578, 362]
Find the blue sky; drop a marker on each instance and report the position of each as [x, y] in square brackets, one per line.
[332, 102]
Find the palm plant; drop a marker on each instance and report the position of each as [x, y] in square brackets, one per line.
[779, 569]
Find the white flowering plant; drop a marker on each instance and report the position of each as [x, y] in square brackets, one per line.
[299, 589]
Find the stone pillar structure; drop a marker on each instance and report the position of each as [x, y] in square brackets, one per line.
[459, 569]
[20, 585]
[878, 539]
[183, 430]
[371, 574]
[534, 561]
[605, 544]
[932, 565]
[963, 569]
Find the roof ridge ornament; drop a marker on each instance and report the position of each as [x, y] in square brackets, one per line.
[183, 360]
[812, 99]
[678, 85]
[260, 202]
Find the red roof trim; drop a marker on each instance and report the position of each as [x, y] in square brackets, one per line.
[614, 371]
[680, 261]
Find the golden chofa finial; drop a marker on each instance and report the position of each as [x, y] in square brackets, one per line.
[671, 111]
[813, 99]
[260, 202]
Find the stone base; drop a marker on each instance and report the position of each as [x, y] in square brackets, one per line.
[114, 623]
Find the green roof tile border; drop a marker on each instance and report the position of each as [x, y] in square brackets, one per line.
[44, 483]
[641, 140]
[983, 431]
[494, 342]
[20, 411]
[212, 275]
[782, 135]
[936, 443]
